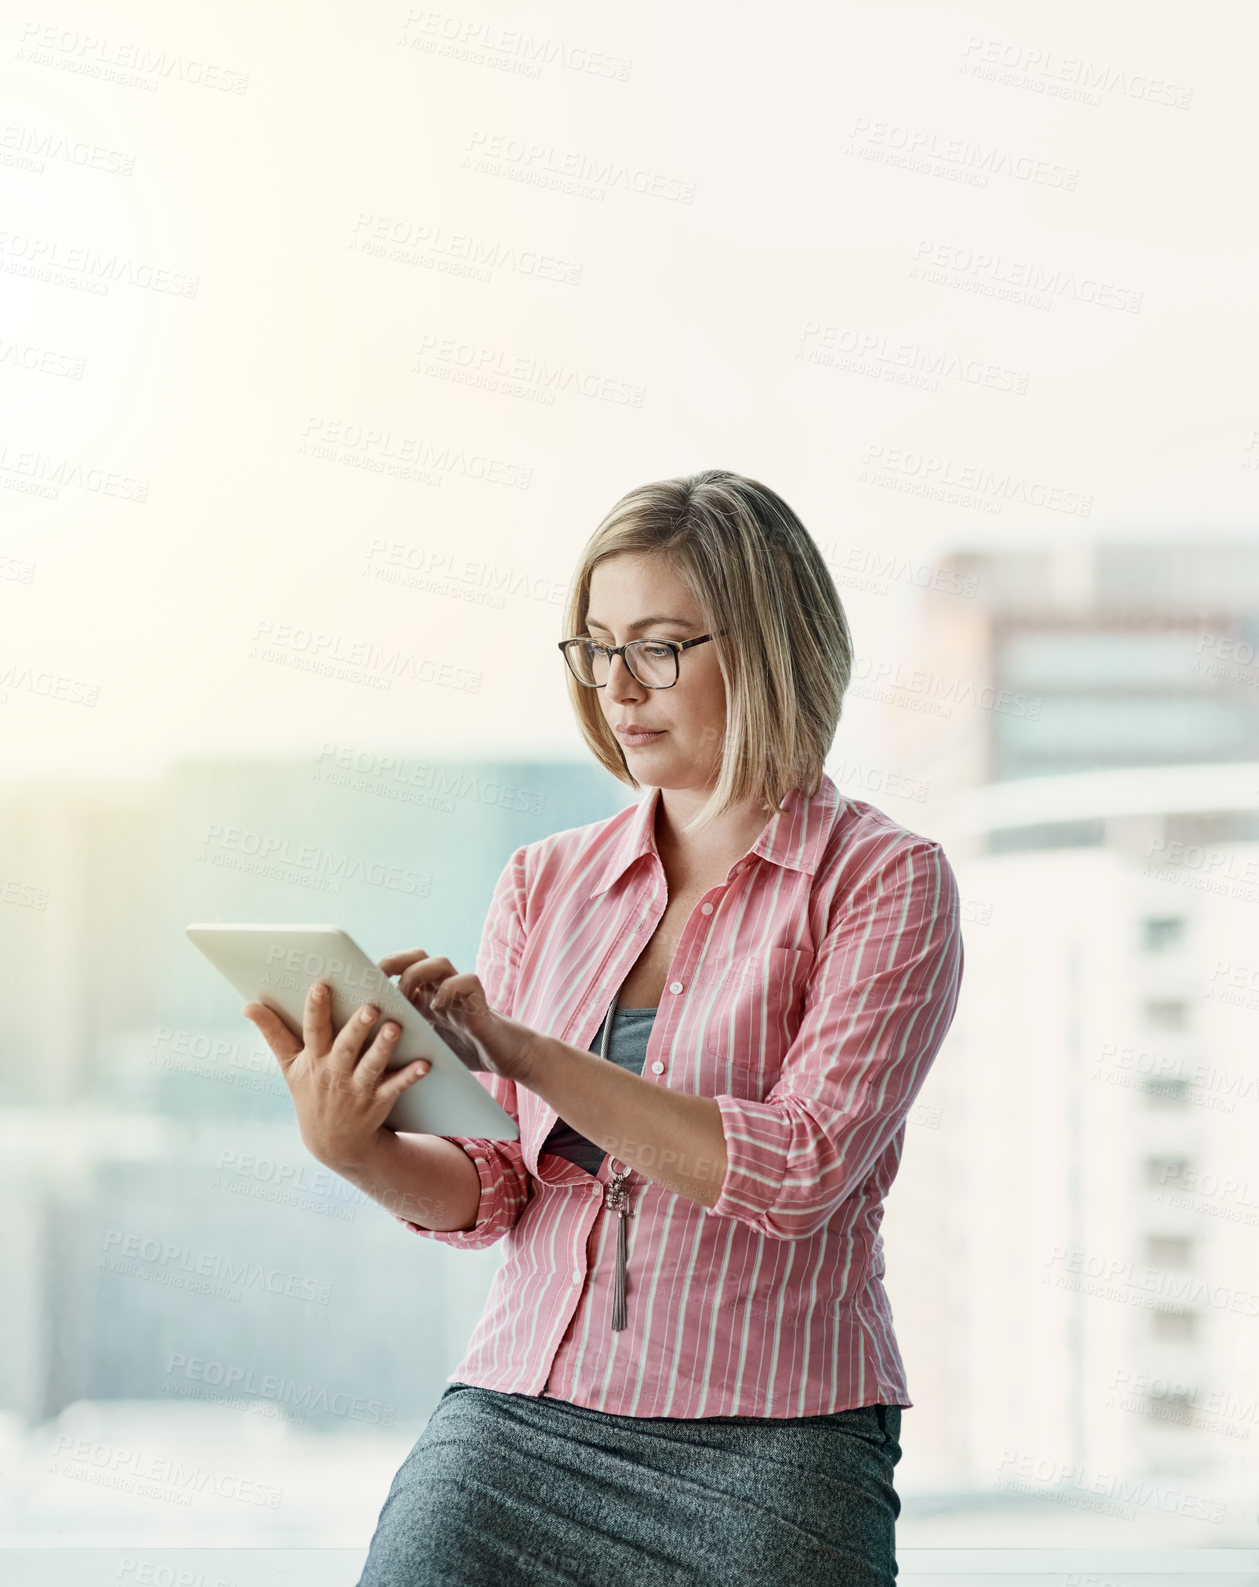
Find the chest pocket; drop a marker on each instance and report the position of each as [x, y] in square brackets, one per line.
[751, 1015]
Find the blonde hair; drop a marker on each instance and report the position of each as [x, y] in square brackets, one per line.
[754, 572]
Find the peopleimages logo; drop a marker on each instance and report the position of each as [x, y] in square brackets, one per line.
[169, 1262]
[1119, 1278]
[133, 65]
[1063, 1482]
[224, 1379]
[155, 1476]
[23, 253]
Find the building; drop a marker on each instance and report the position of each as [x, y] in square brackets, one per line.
[1079, 1313]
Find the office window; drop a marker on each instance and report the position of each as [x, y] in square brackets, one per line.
[1161, 932]
[1166, 1013]
[1075, 732]
[1174, 1406]
[1173, 1089]
[1168, 1250]
[1173, 1325]
[1079, 658]
[1046, 835]
[1165, 1170]
[1202, 829]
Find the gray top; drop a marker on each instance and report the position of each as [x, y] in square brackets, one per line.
[627, 1047]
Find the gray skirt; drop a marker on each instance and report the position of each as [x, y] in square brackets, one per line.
[529, 1491]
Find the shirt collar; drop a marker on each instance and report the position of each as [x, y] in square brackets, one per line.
[793, 837]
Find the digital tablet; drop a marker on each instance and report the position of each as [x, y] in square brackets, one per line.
[276, 966]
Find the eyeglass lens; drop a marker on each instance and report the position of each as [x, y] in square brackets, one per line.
[652, 664]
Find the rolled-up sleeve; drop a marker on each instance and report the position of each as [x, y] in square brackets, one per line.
[879, 1001]
[505, 1181]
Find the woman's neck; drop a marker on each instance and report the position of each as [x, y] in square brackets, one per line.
[709, 853]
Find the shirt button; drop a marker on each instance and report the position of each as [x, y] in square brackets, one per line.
[675, 986]
[705, 909]
[576, 1278]
[657, 1068]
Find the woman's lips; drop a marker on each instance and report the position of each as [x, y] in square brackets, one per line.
[637, 740]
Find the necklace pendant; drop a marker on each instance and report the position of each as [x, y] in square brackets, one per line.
[616, 1199]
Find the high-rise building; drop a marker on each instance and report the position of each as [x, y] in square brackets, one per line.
[1081, 1308]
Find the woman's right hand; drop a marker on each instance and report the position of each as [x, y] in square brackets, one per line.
[342, 1096]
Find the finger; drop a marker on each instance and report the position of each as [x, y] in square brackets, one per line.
[317, 1018]
[393, 963]
[273, 1030]
[423, 977]
[460, 994]
[390, 1090]
[343, 1055]
[375, 1060]
[462, 1018]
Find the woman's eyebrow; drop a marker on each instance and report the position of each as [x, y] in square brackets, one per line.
[643, 622]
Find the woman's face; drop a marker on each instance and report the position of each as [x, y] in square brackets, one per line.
[638, 596]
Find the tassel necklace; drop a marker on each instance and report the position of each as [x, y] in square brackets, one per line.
[616, 1199]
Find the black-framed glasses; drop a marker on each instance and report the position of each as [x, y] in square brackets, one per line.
[652, 662]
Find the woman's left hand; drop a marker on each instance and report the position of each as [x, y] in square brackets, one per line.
[457, 1008]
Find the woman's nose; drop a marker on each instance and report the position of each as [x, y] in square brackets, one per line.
[623, 681]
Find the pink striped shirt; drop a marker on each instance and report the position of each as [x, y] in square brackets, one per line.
[808, 994]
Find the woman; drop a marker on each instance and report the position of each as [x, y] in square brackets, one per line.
[710, 1015]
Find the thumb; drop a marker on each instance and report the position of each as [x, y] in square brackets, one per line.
[274, 1032]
